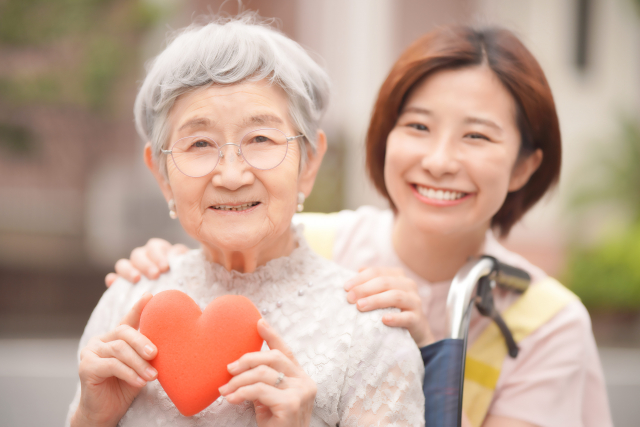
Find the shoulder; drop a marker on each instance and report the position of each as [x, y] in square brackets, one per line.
[117, 301]
[363, 237]
[365, 326]
[557, 377]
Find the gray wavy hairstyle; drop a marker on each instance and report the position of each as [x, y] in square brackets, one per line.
[226, 51]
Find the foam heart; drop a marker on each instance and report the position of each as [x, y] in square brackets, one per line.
[195, 347]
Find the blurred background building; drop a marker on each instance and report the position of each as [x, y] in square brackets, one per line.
[75, 195]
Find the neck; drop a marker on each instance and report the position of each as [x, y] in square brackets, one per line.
[435, 257]
[247, 260]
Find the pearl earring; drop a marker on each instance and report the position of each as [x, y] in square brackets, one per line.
[172, 209]
[301, 198]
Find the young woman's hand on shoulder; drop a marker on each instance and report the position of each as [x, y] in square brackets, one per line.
[149, 261]
[380, 287]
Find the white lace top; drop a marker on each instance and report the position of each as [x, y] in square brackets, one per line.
[367, 374]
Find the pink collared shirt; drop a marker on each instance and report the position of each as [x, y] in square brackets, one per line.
[556, 380]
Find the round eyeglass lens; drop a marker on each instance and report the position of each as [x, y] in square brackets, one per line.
[195, 156]
[264, 148]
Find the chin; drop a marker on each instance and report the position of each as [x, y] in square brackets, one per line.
[235, 240]
[438, 225]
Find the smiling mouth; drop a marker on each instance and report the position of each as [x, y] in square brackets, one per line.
[434, 194]
[242, 207]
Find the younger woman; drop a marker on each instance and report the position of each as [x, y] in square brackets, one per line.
[464, 139]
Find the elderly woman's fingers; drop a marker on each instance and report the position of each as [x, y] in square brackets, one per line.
[274, 359]
[392, 298]
[371, 273]
[132, 318]
[127, 271]
[380, 284]
[265, 394]
[262, 373]
[274, 341]
[124, 353]
[141, 344]
[94, 369]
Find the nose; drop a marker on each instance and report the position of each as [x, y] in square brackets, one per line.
[230, 158]
[441, 158]
[231, 171]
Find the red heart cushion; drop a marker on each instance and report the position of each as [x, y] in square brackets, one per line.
[194, 348]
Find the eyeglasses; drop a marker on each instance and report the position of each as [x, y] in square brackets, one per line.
[263, 149]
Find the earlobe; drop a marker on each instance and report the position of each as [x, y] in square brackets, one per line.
[153, 167]
[312, 166]
[524, 169]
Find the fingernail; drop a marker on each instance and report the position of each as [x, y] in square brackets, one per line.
[153, 271]
[232, 367]
[222, 389]
[151, 373]
[351, 297]
[265, 323]
[141, 382]
[148, 350]
[362, 303]
[348, 285]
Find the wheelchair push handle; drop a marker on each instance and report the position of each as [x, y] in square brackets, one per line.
[510, 278]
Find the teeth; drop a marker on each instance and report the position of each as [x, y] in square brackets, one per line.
[235, 208]
[439, 194]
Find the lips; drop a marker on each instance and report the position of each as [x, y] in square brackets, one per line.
[235, 207]
[439, 194]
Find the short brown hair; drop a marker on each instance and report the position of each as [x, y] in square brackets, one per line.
[454, 47]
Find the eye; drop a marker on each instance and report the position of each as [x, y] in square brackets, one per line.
[476, 135]
[418, 126]
[201, 143]
[259, 139]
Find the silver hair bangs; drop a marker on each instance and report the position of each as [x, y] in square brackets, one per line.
[227, 51]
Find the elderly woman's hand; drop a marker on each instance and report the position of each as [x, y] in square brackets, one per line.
[113, 369]
[149, 260]
[282, 393]
[379, 287]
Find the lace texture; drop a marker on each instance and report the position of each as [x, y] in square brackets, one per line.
[367, 374]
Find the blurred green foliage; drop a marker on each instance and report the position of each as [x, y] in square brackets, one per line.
[616, 166]
[606, 276]
[16, 140]
[85, 46]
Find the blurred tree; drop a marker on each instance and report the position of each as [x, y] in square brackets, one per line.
[615, 173]
[54, 45]
[606, 275]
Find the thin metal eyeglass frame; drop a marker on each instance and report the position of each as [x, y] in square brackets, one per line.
[221, 154]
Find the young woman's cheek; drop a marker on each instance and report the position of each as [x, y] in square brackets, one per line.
[492, 172]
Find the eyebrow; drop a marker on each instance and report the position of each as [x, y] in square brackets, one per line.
[195, 123]
[262, 119]
[259, 120]
[485, 122]
[417, 110]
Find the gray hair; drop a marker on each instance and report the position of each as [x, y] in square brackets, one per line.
[226, 51]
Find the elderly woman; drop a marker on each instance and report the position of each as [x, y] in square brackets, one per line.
[230, 111]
